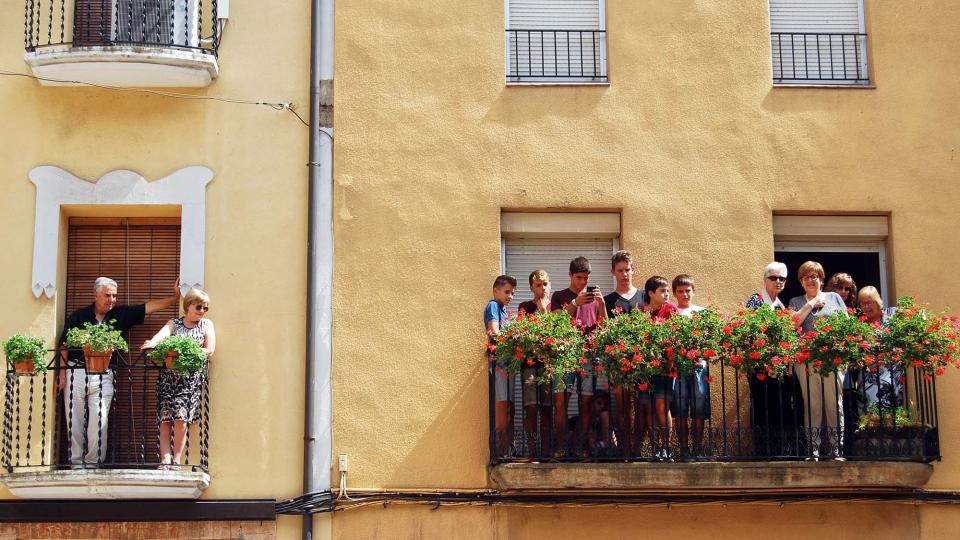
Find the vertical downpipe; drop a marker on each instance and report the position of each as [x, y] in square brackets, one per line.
[317, 437]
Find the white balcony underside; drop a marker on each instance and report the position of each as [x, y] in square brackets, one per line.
[124, 66]
[108, 484]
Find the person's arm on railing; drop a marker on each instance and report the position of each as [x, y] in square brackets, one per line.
[153, 306]
[158, 337]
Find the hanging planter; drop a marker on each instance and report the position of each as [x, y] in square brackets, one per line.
[180, 354]
[98, 342]
[25, 353]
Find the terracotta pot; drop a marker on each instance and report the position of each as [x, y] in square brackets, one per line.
[96, 362]
[171, 358]
[25, 366]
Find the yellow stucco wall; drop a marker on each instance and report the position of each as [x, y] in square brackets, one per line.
[690, 140]
[255, 220]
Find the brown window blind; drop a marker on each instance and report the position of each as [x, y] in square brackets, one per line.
[92, 22]
[143, 257]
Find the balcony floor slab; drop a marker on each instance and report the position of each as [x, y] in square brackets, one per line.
[107, 484]
[754, 476]
[123, 66]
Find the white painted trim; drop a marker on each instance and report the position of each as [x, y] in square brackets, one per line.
[835, 226]
[56, 187]
[108, 484]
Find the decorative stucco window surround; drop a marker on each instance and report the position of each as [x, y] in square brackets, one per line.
[56, 187]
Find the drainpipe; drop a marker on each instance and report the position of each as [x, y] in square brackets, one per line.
[317, 434]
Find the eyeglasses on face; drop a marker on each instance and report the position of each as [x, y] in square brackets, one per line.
[810, 277]
[201, 307]
[778, 279]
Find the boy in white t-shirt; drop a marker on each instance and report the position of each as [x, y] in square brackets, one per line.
[691, 394]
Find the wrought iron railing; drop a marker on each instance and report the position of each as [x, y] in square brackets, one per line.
[829, 58]
[884, 416]
[556, 55]
[180, 24]
[53, 420]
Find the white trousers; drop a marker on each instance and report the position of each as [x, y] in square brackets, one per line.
[821, 405]
[86, 402]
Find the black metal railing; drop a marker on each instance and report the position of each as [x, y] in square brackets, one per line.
[556, 55]
[67, 418]
[181, 24]
[830, 58]
[723, 415]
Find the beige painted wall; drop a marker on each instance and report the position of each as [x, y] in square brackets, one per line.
[690, 140]
[255, 228]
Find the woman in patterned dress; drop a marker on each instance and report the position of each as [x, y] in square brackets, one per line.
[178, 396]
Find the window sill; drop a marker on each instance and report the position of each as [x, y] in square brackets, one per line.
[564, 83]
[870, 86]
[107, 484]
[756, 476]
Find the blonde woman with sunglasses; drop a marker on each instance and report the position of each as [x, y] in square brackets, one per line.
[178, 396]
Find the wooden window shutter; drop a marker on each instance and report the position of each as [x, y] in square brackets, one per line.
[143, 257]
[92, 22]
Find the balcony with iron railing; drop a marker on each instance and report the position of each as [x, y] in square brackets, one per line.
[800, 432]
[151, 43]
[556, 56]
[804, 58]
[69, 438]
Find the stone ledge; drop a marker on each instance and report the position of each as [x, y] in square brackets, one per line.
[124, 65]
[775, 475]
[108, 484]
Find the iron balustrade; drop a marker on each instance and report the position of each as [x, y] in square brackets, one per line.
[38, 418]
[799, 417]
[178, 24]
[830, 58]
[556, 55]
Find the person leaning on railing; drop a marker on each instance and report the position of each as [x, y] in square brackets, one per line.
[824, 411]
[776, 412]
[178, 396]
[882, 387]
[90, 396]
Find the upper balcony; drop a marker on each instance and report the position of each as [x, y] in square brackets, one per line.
[72, 433]
[148, 43]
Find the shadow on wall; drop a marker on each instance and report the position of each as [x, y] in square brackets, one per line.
[518, 105]
[453, 450]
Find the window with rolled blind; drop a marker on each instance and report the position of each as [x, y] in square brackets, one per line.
[155, 22]
[556, 41]
[143, 257]
[524, 255]
[818, 42]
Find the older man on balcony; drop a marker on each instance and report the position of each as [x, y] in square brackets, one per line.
[88, 398]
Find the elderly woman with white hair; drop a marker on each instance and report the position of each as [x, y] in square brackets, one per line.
[776, 411]
[883, 386]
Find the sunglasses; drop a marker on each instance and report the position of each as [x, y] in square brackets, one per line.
[778, 279]
[848, 290]
[198, 307]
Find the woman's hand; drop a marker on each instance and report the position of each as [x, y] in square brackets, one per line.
[816, 302]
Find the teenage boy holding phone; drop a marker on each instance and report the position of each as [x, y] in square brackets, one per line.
[585, 304]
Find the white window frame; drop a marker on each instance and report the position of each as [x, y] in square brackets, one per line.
[865, 60]
[540, 81]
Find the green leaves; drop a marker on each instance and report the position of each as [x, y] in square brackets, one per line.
[190, 359]
[547, 340]
[916, 338]
[19, 347]
[765, 341]
[839, 341]
[100, 337]
[630, 347]
[696, 340]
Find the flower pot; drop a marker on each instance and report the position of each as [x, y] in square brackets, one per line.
[171, 358]
[25, 366]
[96, 362]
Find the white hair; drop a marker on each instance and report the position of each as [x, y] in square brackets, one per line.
[102, 282]
[777, 268]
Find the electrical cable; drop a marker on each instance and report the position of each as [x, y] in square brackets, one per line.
[289, 106]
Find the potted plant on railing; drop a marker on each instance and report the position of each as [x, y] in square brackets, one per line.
[26, 354]
[630, 349]
[696, 341]
[916, 338]
[547, 341]
[98, 342]
[180, 354]
[838, 341]
[893, 434]
[764, 342]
